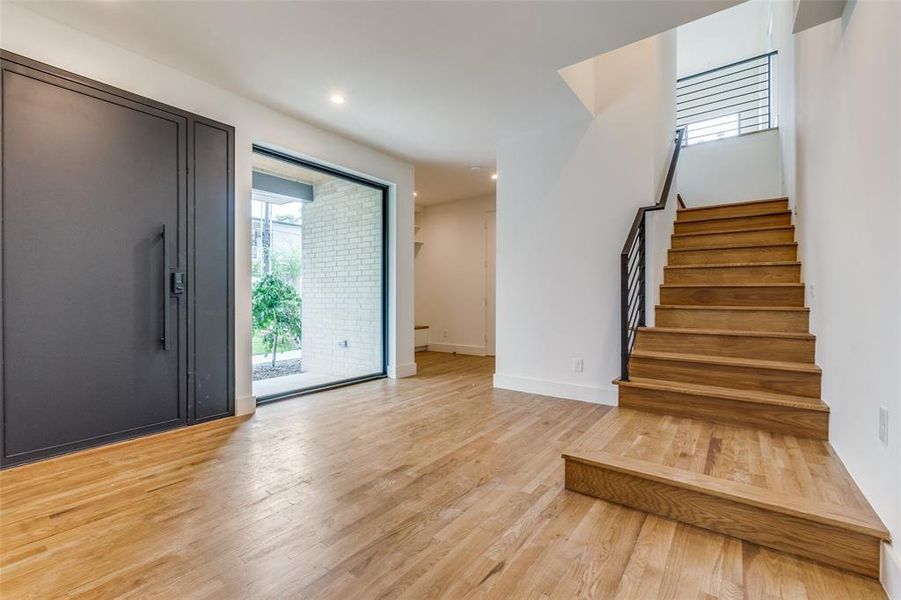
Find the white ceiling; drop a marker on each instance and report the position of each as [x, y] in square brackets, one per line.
[435, 83]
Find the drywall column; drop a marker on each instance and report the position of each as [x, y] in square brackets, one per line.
[565, 200]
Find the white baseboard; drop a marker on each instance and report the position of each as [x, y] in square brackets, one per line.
[558, 389]
[246, 405]
[891, 571]
[458, 348]
[401, 371]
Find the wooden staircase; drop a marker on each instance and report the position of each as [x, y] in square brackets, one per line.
[720, 424]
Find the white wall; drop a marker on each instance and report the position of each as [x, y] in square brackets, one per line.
[748, 167]
[734, 34]
[451, 275]
[565, 200]
[33, 36]
[784, 83]
[848, 100]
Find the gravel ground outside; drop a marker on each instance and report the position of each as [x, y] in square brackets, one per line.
[281, 368]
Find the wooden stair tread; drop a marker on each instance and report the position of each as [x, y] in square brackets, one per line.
[732, 332]
[740, 230]
[739, 395]
[734, 308]
[723, 217]
[653, 447]
[753, 363]
[785, 263]
[729, 204]
[775, 284]
[733, 246]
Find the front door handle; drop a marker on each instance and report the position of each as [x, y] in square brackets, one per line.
[164, 338]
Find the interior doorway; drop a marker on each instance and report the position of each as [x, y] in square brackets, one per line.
[318, 274]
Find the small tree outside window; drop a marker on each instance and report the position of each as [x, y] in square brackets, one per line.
[276, 312]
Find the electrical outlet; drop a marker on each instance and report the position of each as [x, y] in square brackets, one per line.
[445, 333]
[883, 425]
[578, 365]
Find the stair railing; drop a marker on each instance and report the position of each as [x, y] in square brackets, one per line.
[633, 260]
[727, 101]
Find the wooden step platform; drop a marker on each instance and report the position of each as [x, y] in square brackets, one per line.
[759, 272]
[765, 345]
[735, 209]
[754, 235]
[740, 318]
[733, 294]
[734, 253]
[778, 377]
[767, 219]
[784, 492]
[780, 413]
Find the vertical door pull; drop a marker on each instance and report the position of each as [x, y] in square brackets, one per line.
[164, 338]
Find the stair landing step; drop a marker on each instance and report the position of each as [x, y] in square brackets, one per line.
[781, 491]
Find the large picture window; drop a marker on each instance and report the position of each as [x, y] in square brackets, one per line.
[319, 276]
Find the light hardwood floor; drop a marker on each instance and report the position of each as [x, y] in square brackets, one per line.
[434, 486]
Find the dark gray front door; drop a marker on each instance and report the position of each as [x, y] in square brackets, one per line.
[90, 180]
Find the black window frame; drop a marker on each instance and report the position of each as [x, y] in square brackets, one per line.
[384, 189]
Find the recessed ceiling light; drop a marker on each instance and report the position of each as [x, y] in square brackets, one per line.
[337, 99]
[415, 194]
[494, 176]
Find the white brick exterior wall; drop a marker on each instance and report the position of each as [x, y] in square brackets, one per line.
[342, 279]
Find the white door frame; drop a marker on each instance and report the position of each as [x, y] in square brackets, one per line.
[490, 282]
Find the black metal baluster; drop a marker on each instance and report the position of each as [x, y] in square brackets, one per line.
[633, 269]
[727, 100]
[769, 93]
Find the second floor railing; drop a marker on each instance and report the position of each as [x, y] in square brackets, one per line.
[727, 101]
